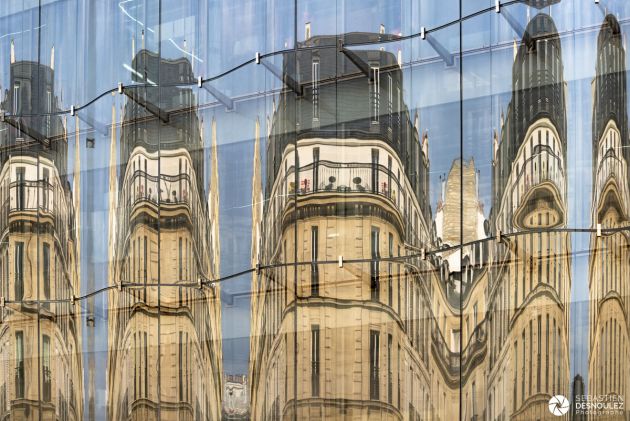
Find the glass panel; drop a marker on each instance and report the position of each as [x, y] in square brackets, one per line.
[309, 210]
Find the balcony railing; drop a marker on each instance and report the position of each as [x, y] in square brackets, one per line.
[164, 190]
[452, 360]
[543, 166]
[611, 166]
[327, 176]
[43, 197]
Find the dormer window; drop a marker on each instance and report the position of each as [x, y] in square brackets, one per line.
[375, 93]
[16, 97]
[316, 76]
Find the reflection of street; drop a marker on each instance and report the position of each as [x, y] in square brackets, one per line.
[164, 339]
[235, 397]
[40, 339]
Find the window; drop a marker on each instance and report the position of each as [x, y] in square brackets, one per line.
[539, 359]
[374, 364]
[456, 335]
[16, 97]
[20, 178]
[46, 274]
[45, 189]
[146, 364]
[375, 94]
[19, 359]
[314, 267]
[315, 360]
[315, 169]
[19, 270]
[374, 265]
[523, 368]
[316, 77]
[390, 278]
[180, 259]
[146, 255]
[390, 100]
[46, 375]
[515, 396]
[374, 171]
[389, 369]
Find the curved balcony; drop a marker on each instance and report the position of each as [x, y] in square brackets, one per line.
[450, 361]
[540, 178]
[144, 193]
[611, 170]
[38, 201]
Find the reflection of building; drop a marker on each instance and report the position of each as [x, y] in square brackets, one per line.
[164, 339]
[235, 397]
[352, 340]
[530, 282]
[577, 389]
[609, 269]
[41, 374]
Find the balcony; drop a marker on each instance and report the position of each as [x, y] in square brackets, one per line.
[38, 200]
[612, 168]
[347, 179]
[541, 177]
[173, 189]
[450, 361]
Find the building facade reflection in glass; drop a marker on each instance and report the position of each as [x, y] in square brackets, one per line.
[40, 337]
[269, 210]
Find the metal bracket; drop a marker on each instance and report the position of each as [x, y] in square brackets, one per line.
[284, 77]
[199, 283]
[340, 261]
[257, 57]
[220, 96]
[72, 110]
[2, 303]
[599, 230]
[497, 6]
[422, 254]
[498, 236]
[360, 63]
[120, 87]
[199, 81]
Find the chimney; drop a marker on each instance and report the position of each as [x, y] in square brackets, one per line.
[307, 31]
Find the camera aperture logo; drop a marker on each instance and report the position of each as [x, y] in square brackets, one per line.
[559, 405]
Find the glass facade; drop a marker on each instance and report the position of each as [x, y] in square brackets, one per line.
[314, 209]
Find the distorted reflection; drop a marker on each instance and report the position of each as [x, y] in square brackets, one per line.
[529, 283]
[390, 274]
[336, 341]
[608, 274]
[40, 339]
[164, 339]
